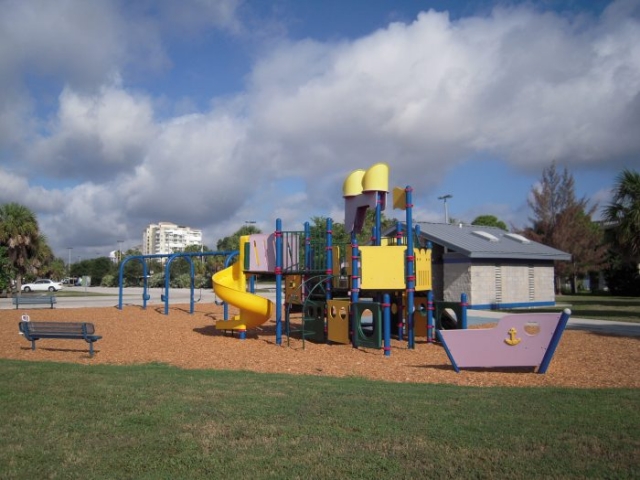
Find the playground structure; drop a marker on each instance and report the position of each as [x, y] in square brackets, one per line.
[362, 294]
[354, 294]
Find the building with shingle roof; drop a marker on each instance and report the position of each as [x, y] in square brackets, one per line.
[495, 268]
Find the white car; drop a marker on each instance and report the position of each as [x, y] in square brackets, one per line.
[42, 285]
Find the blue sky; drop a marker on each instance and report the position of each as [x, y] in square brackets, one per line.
[117, 114]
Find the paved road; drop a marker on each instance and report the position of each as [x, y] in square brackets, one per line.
[109, 297]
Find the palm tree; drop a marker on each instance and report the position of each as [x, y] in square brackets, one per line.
[624, 213]
[20, 235]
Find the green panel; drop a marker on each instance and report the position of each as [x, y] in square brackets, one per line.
[313, 321]
[368, 333]
[247, 257]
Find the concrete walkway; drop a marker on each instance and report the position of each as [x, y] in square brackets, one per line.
[108, 297]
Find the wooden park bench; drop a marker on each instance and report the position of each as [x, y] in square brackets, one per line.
[33, 331]
[35, 300]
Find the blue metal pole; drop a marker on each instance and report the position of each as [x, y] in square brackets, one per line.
[399, 235]
[227, 264]
[308, 262]
[386, 328]
[121, 283]
[431, 335]
[167, 284]
[307, 246]
[430, 324]
[378, 235]
[278, 272]
[145, 284]
[329, 259]
[355, 285]
[192, 285]
[555, 340]
[464, 306]
[411, 279]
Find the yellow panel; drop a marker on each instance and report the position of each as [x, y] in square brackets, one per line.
[382, 268]
[423, 269]
[338, 321]
[420, 316]
[293, 289]
[399, 198]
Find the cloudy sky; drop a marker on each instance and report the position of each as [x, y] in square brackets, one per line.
[115, 114]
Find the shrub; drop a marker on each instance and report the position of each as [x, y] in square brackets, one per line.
[109, 281]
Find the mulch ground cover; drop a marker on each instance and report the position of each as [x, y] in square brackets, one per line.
[136, 336]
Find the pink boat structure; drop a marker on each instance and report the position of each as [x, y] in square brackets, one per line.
[518, 340]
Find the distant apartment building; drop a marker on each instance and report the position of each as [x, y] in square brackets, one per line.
[168, 238]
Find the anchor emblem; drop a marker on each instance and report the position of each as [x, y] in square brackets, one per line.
[512, 340]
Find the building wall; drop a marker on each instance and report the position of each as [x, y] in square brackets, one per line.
[544, 282]
[457, 276]
[437, 272]
[167, 238]
[503, 283]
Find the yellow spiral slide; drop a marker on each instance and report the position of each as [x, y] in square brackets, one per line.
[230, 285]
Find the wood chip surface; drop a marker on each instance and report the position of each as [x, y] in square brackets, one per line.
[136, 336]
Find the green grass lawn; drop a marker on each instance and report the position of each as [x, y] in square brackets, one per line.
[599, 307]
[88, 293]
[622, 309]
[155, 421]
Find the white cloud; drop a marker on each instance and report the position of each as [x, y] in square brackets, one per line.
[520, 85]
[528, 87]
[95, 136]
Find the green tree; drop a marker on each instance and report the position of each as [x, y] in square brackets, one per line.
[132, 270]
[562, 221]
[555, 194]
[340, 236]
[20, 235]
[96, 268]
[53, 267]
[232, 242]
[490, 221]
[575, 232]
[6, 271]
[622, 223]
[624, 213]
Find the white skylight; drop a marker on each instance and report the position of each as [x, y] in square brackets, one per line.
[518, 238]
[485, 235]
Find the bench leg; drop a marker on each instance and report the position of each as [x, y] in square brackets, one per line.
[33, 344]
[91, 349]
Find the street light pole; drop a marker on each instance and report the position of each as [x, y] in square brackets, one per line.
[446, 210]
[69, 262]
[120, 250]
